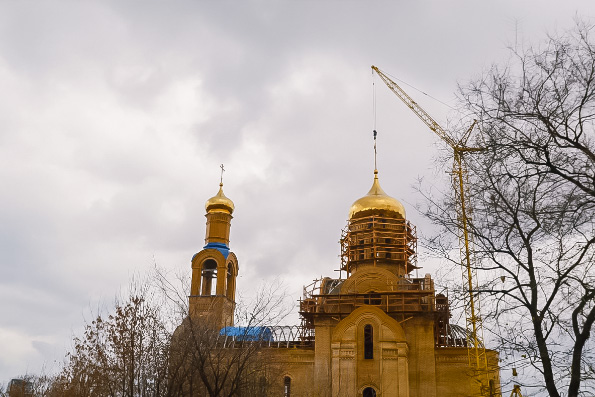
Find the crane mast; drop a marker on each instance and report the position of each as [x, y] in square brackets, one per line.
[476, 349]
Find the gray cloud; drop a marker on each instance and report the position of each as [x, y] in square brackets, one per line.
[115, 116]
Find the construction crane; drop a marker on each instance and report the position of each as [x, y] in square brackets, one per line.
[476, 349]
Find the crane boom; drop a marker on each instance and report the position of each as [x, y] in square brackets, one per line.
[418, 110]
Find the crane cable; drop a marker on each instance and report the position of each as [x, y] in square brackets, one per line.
[374, 99]
[374, 115]
[418, 90]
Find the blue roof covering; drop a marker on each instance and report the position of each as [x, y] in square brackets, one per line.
[223, 248]
[251, 334]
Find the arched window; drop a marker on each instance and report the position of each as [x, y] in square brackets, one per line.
[369, 392]
[368, 343]
[209, 272]
[287, 387]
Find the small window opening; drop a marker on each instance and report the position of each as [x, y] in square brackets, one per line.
[368, 345]
[287, 387]
[369, 392]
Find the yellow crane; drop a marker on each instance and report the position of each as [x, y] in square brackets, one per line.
[476, 349]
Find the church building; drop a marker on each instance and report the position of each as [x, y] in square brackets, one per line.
[375, 331]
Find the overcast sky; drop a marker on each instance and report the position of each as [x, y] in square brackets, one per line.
[115, 116]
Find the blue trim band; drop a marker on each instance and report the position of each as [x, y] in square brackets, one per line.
[223, 248]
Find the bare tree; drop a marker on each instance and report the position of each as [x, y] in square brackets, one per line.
[532, 190]
[140, 349]
[211, 362]
[122, 354]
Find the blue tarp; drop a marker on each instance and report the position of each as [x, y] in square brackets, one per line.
[250, 334]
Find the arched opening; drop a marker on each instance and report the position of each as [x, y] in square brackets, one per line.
[368, 343]
[369, 392]
[287, 386]
[209, 272]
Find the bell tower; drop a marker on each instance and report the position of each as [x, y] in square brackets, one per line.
[215, 267]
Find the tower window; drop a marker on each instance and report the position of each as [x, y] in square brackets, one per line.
[368, 343]
[287, 387]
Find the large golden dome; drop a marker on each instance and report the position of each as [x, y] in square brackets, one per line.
[376, 202]
[219, 203]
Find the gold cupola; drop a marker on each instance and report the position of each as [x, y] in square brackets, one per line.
[219, 209]
[219, 203]
[376, 202]
[378, 234]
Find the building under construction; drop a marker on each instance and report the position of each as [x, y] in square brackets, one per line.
[378, 331]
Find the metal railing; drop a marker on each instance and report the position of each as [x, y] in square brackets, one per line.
[280, 336]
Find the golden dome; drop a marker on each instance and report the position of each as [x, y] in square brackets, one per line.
[219, 203]
[376, 202]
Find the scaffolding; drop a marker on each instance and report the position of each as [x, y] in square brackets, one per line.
[377, 239]
[411, 295]
[323, 298]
